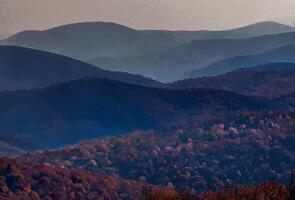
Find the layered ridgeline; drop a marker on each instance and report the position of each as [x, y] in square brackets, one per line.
[77, 110]
[23, 68]
[171, 64]
[252, 30]
[270, 80]
[90, 39]
[281, 54]
[159, 54]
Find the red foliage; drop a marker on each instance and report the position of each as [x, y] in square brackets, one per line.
[29, 182]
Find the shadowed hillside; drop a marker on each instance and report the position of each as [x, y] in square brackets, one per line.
[209, 154]
[99, 39]
[283, 54]
[171, 64]
[22, 68]
[270, 80]
[86, 108]
[252, 30]
[92, 39]
[164, 55]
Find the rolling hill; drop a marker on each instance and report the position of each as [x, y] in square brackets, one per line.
[105, 39]
[159, 54]
[23, 68]
[87, 108]
[281, 54]
[170, 65]
[240, 148]
[91, 39]
[252, 30]
[269, 80]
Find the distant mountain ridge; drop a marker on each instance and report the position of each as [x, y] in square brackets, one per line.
[281, 54]
[171, 64]
[252, 30]
[23, 68]
[157, 54]
[91, 39]
[87, 108]
[270, 80]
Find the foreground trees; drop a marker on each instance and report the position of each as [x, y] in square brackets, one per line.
[243, 148]
[266, 191]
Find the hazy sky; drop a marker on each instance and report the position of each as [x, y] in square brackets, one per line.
[16, 15]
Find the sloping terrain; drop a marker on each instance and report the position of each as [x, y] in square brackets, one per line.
[240, 148]
[171, 64]
[99, 39]
[283, 54]
[252, 30]
[76, 110]
[23, 68]
[9, 150]
[164, 55]
[91, 39]
[33, 182]
[270, 80]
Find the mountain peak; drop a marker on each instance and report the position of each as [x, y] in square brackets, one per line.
[267, 26]
[92, 25]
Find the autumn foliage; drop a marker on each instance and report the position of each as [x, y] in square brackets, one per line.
[243, 148]
[34, 182]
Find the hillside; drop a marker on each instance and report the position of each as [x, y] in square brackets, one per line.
[91, 39]
[105, 39]
[269, 80]
[159, 54]
[23, 68]
[87, 108]
[33, 182]
[252, 30]
[9, 150]
[282, 54]
[289, 99]
[208, 154]
[268, 190]
[171, 64]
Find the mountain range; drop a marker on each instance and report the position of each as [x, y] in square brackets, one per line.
[101, 39]
[171, 64]
[87, 108]
[252, 30]
[163, 55]
[281, 54]
[23, 68]
[269, 80]
[91, 39]
[83, 114]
